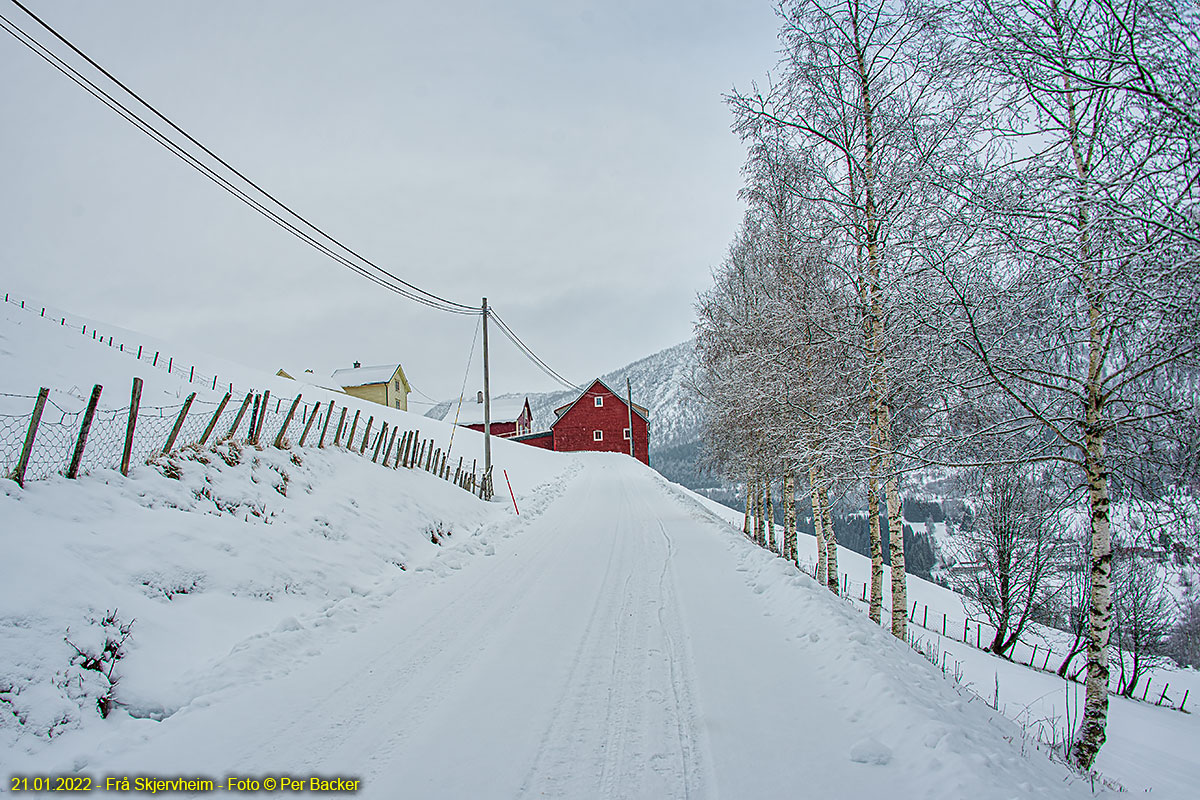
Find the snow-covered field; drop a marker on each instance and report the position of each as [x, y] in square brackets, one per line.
[617, 638]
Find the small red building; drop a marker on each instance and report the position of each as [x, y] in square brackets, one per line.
[596, 420]
[510, 416]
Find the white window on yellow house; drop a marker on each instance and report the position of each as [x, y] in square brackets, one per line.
[398, 405]
[597, 436]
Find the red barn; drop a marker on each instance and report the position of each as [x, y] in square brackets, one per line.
[510, 416]
[596, 420]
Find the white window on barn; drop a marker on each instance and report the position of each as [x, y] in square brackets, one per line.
[627, 434]
[597, 436]
[599, 402]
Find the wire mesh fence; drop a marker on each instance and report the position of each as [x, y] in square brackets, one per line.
[148, 356]
[37, 446]
[1042, 655]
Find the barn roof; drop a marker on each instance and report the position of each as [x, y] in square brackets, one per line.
[507, 409]
[365, 376]
[562, 410]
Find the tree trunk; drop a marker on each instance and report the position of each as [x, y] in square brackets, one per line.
[789, 518]
[818, 524]
[1095, 704]
[767, 485]
[876, 608]
[831, 560]
[749, 503]
[895, 536]
[760, 528]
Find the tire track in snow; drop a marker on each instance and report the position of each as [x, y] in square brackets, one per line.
[408, 677]
[625, 720]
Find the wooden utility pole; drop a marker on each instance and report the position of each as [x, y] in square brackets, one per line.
[629, 403]
[487, 398]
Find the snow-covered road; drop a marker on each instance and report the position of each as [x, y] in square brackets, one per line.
[620, 642]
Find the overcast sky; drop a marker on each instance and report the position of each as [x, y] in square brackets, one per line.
[572, 161]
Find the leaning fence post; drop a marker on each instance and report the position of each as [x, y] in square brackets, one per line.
[409, 438]
[27, 450]
[337, 437]
[213, 422]
[241, 413]
[81, 442]
[325, 426]
[1183, 702]
[253, 419]
[366, 435]
[134, 400]
[262, 416]
[353, 425]
[287, 421]
[379, 443]
[307, 425]
[179, 422]
[1164, 695]
[388, 451]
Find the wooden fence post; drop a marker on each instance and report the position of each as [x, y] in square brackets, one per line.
[241, 413]
[379, 443]
[262, 416]
[30, 435]
[353, 425]
[408, 442]
[325, 426]
[337, 436]
[253, 419]
[286, 422]
[213, 422]
[366, 435]
[308, 424]
[81, 442]
[187, 404]
[458, 472]
[391, 442]
[135, 399]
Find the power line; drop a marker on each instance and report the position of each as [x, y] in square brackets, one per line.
[532, 356]
[372, 272]
[404, 288]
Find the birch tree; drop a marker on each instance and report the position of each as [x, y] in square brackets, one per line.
[1089, 298]
[872, 94]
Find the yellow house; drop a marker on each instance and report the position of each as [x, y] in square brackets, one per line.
[384, 384]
